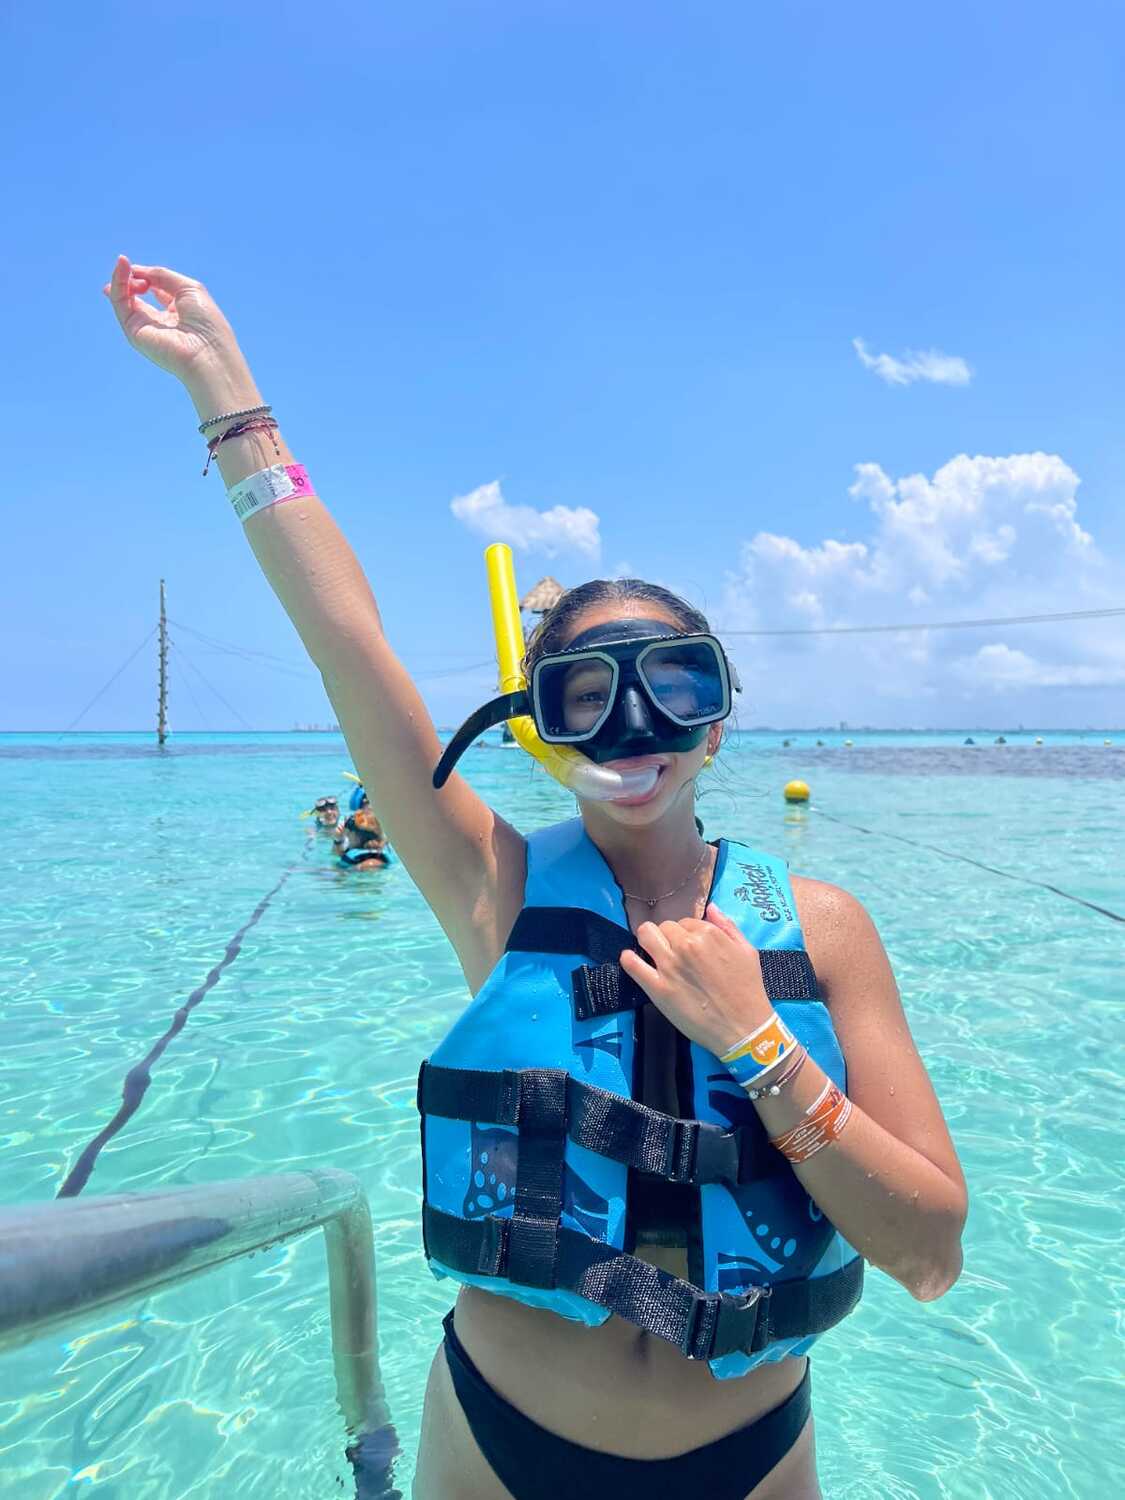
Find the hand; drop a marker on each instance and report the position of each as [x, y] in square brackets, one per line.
[704, 977]
[185, 333]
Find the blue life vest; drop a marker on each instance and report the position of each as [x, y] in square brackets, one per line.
[533, 1135]
[364, 854]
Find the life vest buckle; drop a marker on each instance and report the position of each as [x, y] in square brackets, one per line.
[727, 1323]
[681, 1151]
[716, 1156]
[743, 1324]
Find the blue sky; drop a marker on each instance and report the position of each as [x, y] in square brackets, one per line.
[601, 270]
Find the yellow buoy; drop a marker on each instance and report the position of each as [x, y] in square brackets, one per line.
[796, 791]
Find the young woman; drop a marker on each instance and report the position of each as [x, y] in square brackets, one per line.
[685, 1106]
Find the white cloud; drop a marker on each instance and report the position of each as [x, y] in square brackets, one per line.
[807, 602]
[823, 562]
[983, 537]
[974, 510]
[561, 529]
[999, 666]
[917, 364]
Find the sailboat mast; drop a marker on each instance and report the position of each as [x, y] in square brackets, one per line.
[162, 704]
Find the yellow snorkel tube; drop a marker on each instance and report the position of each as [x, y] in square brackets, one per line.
[575, 771]
[559, 761]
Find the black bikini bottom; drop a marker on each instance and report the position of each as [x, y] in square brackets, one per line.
[533, 1463]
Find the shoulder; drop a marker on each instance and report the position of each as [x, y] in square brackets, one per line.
[826, 908]
[840, 936]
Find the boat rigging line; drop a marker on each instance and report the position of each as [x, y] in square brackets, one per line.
[1072, 614]
[256, 658]
[107, 685]
[210, 686]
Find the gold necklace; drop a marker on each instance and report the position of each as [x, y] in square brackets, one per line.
[652, 901]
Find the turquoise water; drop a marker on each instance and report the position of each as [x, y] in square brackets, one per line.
[127, 873]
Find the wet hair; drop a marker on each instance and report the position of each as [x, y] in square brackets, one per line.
[365, 835]
[556, 628]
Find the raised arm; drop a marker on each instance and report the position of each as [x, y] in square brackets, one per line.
[467, 862]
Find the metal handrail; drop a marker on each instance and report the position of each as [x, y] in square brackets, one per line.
[76, 1255]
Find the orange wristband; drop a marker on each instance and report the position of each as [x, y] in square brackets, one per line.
[824, 1119]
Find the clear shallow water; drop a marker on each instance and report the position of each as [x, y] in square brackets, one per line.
[127, 872]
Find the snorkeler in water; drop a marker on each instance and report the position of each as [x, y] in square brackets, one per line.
[325, 814]
[360, 840]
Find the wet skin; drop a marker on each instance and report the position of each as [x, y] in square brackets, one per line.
[616, 1388]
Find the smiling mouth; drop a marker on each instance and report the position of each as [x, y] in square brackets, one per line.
[638, 763]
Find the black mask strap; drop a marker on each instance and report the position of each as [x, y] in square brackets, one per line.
[509, 706]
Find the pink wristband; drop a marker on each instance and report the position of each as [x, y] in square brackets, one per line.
[270, 487]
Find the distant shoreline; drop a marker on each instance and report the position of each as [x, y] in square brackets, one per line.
[751, 729]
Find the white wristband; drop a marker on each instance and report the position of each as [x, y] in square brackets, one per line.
[269, 487]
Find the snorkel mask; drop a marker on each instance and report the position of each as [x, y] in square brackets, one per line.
[621, 689]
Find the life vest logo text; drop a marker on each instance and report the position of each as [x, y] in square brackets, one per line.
[764, 892]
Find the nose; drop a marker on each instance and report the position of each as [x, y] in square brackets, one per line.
[635, 714]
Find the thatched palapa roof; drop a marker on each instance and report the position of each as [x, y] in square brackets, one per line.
[544, 596]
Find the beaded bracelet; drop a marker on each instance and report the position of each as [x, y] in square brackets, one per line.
[259, 424]
[824, 1119]
[771, 1090]
[228, 416]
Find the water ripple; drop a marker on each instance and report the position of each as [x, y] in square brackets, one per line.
[306, 1055]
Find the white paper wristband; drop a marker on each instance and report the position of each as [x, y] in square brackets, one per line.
[269, 487]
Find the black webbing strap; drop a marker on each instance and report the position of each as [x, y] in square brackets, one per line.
[602, 988]
[533, 1230]
[469, 1094]
[599, 988]
[788, 974]
[569, 929]
[702, 1325]
[684, 1151]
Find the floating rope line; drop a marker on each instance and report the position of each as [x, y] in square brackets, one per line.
[138, 1078]
[1103, 911]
